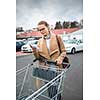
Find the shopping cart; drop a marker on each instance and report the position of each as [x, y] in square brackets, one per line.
[51, 79]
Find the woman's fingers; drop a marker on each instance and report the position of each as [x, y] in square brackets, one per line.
[34, 49]
[59, 62]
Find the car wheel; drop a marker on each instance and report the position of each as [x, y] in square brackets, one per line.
[73, 50]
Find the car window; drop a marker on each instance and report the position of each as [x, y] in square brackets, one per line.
[17, 43]
[71, 41]
[35, 42]
[32, 42]
[20, 43]
[23, 43]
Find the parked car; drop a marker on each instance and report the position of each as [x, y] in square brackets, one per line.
[19, 44]
[73, 45]
[27, 48]
[33, 38]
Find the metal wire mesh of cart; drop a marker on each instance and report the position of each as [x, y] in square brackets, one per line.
[51, 79]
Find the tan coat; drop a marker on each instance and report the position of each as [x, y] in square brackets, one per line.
[54, 52]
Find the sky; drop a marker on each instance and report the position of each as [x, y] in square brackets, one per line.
[30, 12]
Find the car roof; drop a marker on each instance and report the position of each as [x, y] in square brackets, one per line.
[19, 40]
[78, 32]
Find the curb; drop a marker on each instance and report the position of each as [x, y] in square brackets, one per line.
[23, 54]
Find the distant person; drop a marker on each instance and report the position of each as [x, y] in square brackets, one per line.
[48, 48]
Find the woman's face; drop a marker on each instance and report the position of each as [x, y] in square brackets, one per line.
[43, 29]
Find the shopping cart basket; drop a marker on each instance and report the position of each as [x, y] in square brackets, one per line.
[51, 79]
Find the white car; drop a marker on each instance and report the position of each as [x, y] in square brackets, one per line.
[73, 45]
[27, 48]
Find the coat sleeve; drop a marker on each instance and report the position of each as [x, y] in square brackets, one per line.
[36, 53]
[61, 48]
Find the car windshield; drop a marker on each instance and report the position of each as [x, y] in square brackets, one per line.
[70, 41]
[18, 43]
[32, 42]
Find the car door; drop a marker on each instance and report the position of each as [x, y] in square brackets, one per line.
[80, 45]
[17, 46]
[77, 45]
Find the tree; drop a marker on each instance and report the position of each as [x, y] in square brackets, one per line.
[66, 24]
[74, 24]
[58, 25]
[19, 29]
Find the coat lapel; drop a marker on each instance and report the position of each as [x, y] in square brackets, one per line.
[53, 47]
[44, 50]
[53, 44]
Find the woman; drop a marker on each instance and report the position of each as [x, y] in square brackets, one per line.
[48, 47]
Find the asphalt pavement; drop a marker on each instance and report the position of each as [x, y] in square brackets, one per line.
[73, 83]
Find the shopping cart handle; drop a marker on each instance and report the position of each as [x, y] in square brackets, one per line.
[46, 61]
[68, 66]
[35, 59]
[51, 62]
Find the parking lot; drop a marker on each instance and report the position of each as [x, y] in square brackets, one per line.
[73, 84]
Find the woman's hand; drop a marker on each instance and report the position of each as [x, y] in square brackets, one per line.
[59, 61]
[33, 48]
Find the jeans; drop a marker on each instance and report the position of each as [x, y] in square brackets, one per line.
[52, 91]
